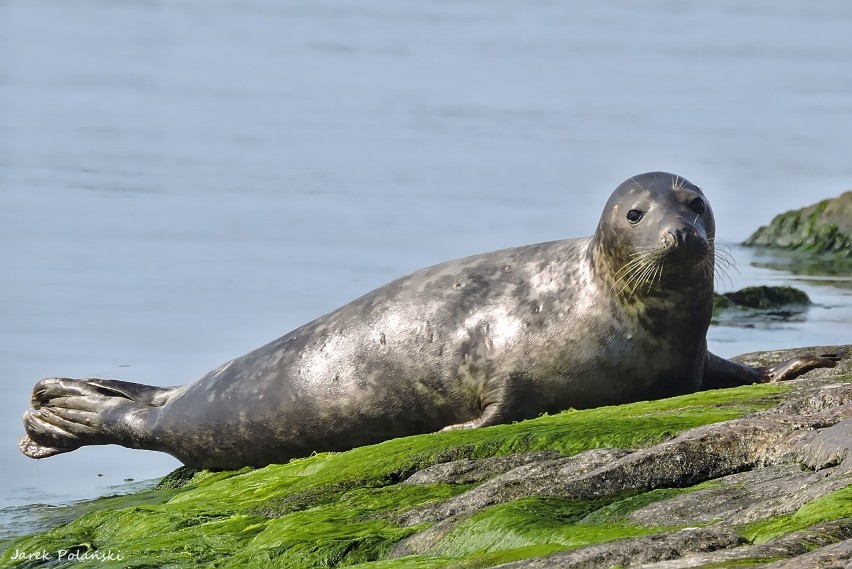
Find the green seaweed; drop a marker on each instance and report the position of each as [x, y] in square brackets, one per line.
[529, 522]
[340, 509]
[617, 511]
[832, 506]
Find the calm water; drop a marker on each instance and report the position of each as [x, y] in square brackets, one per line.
[181, 182]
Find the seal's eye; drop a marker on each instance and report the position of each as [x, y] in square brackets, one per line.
[698, 206]
[634, 215]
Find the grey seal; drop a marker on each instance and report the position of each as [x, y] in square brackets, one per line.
[503, 336]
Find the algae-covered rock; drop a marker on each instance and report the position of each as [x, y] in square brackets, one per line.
[178, 478]
[822, 227]
[750, 475]
[759, 305]
[761, 297]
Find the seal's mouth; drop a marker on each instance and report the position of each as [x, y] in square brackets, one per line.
[675, 257]
[684, 248]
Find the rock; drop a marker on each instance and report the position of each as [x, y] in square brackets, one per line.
[837, 555]
[696, 456]
[177, 478]
[529, 479]
[762, 297]
[532, 479]
[633, 552]
[810, 397]
[822, 227]
[797, 545]
[827, 448]
[745, 497]
[466, 470]
[757, 305]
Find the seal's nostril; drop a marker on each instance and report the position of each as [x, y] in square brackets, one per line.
[678, 236]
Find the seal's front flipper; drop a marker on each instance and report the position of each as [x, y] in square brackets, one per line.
[70, 413]
[794, 367]
[720, 373]
[490, 416]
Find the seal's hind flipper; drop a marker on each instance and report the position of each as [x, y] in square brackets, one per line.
[145, 394]
[52, 388]
[70, 413]
[34, 450]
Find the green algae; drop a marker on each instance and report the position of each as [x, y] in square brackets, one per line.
[535, 526]
[528, 522]
[833, 506]
[615, 512]
[339, 509]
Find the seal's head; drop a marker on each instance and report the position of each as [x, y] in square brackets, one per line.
[656, 233]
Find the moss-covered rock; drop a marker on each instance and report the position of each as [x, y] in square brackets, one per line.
[761, 297]
[824, 227]
[759, 305]
[601, 486]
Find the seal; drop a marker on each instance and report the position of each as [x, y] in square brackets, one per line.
[616, 317]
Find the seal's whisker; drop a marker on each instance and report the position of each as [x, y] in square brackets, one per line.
[626, 279]
[724, 252]
[708, 268]
[721, 276]
[640, 276]
[659, 274]
[728, 263]
[629, 266]
[723, 255]
[630, 270]
[620, 285]
[724, 261]
[655, 275]
[645, 277]
[642, 252]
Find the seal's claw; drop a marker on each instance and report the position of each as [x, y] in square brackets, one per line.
[793, 368]
[52, 387]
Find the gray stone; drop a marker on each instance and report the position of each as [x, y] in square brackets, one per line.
[797, 546]
[468, 470]
[630, 552]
